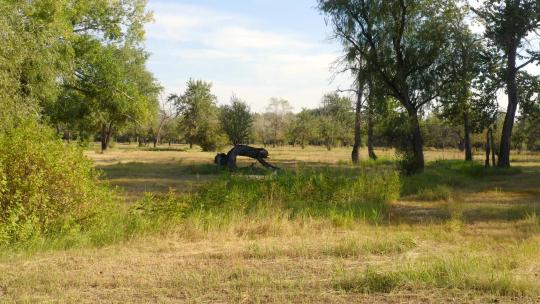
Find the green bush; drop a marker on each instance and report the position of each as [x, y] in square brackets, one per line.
[46, 187]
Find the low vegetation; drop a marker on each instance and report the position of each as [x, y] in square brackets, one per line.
[351, 233]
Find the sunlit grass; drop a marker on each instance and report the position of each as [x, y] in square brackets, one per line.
[320, 230]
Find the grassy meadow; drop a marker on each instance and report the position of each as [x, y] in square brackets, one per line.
[320, 230]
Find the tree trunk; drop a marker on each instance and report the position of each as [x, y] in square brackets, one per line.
[488, 148]
[229, 159]
[493, 150]
[104, 144]
[511, 88]
[190, 145]
[371, 150]
[417, 144]
[106, 134]
[355, 155]
[467, 139]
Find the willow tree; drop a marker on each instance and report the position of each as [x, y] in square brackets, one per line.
[407, 49]
[508, 24]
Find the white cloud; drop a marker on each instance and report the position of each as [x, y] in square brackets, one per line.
[238, 56]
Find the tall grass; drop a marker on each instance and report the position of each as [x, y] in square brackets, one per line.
[307, 193]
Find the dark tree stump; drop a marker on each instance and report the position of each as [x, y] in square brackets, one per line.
[229, 160]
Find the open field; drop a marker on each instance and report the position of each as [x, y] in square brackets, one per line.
[457, 233]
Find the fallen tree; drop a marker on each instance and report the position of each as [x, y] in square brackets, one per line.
[229, 160]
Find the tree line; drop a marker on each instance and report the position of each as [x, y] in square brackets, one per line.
[195, 117]
[422, 78]
[423, 54]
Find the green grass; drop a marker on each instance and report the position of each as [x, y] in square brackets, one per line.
[322, 193]
[337, 231]
[343, 195]
[441, 176]
[464, 272]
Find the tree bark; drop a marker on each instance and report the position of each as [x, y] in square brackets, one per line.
[355, 155]
[493, 150]
[371, 150]
[488, 148]
[104, 145]
[511, 88]
[467, 137]
[106, 134]
[229, 160]
[417, 142]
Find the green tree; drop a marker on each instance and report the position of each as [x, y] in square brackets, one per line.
[113, 87]
[460, 104]
[237, 121]
[336, 117]
[198, 114]
[303, 127]
[407, 49]
[528, 128]
[507, 24]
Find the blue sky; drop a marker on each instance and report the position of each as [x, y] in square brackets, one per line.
[256, 49]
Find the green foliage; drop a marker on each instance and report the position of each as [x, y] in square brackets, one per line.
[198, 114]
[303, 128]
[237, 121]
[111, 89]
[406, 46]
[46, 188]
[336, 118]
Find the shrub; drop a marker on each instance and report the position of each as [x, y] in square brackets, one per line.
[46, 187]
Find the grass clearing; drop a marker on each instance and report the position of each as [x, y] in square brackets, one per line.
[323, 231]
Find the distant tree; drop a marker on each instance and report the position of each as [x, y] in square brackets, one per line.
[198, 114]
[507, 24]
[261, 130]
[165, 114]
[237, 121]
[171, 131]
[276, 115]
[303, 127]
[336, 117]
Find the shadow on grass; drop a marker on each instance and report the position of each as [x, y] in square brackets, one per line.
[453, 174]
[447, 187]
